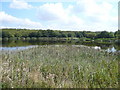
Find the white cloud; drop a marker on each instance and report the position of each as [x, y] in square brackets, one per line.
[11, 21]
[55, 13]
[82, 15]
[93, 11]
[51, 12]
[85, 14]
[17, 4]
[98, 14]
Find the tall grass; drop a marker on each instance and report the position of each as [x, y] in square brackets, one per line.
[59, 66]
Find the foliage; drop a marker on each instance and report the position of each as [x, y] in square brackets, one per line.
[117, 34]
[59, 66]
[55, 33]
[105, 34]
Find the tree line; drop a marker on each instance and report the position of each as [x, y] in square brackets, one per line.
[25, 33]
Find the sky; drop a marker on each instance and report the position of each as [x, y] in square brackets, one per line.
[67, 15]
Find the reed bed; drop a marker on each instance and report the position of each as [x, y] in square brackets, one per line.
[59, 66]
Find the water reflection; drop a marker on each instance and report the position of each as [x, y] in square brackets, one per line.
[24, 44]
[17, 48]
[111, 49]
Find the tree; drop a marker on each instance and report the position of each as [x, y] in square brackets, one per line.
[71, 34]
[6, 34]
[84, 34]
[17, 35]
[33, 34]
[39, 34]
[104, 34]
[63, 34]
[91, 35]
[0, 34]
[78, 34]
[117, 34]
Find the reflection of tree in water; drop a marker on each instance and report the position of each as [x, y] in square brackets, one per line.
[117, 47]
[14, 43]
[105, 46]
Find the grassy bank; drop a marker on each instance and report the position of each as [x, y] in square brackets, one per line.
[59, 66]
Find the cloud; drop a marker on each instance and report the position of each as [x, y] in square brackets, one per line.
[94, 15]
[84, 14]
[7, 20]
[51, 12]
[20, 5]
[56, 13]
[92, 10]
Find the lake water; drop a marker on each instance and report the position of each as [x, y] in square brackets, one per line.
[25, 44]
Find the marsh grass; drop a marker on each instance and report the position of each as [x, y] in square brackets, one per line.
[59, 66]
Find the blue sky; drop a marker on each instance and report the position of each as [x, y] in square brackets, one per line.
[77, 15]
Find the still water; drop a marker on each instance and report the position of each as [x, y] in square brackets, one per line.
[25, 44]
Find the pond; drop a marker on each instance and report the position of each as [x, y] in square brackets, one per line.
[25, 44]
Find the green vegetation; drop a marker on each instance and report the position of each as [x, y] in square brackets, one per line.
[24, 33]
[59, 66]
[102, 37]
[117, 34]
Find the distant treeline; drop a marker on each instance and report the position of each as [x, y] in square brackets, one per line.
[25, 33]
